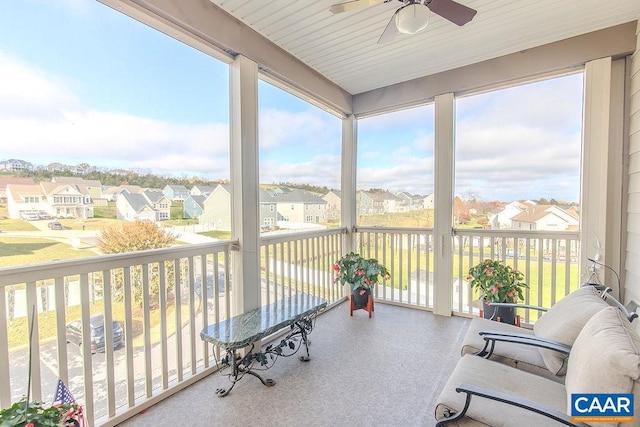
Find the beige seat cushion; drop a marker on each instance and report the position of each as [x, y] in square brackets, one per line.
[497, 376]
[564, 321]
[605, 358]
[524, 357]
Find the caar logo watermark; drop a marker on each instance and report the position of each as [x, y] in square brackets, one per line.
[602, 408]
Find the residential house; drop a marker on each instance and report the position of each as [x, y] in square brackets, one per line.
[217, 209]
[545, 217]
[502, 219]
[92, 187]
[175, 192]
[201, 190]
[111, 192]
[194, 205]
[159, 203]
[334, 204]
[300, 206]
[378, 202]
[53, 199]
[134, 207]
[15, 165]
[150, 205]
[56, 167]
[410, 202]
[427, 202]
[4, 181]
[68, 200]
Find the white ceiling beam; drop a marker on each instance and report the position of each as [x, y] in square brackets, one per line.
[613, 42]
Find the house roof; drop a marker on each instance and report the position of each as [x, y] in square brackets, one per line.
[534, 213]
[4, 181]
[138, 202]
[298, 196]
[198, 199]
[177, 188]
[20, 190]
[77, 181]
[154, 195]
[204, 188]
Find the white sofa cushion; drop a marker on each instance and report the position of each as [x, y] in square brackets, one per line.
[605, 358]
[564, 321]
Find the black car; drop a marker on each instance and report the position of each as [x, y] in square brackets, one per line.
[210, 293]
[74, 333]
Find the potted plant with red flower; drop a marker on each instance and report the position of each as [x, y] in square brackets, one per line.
[361, 274]
[496, 282]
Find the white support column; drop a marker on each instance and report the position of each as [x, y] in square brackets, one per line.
[245, 184]
[595, 160]
[348, 182]
[348, 196]
[443, 203]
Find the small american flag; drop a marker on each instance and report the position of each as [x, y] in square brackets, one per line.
[63, 396]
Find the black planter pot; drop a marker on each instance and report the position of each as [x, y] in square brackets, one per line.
[502, 314]
[361, 300]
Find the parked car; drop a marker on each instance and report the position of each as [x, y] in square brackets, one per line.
[96, 322]
[55, 225]
[30, 216]
[198, 285]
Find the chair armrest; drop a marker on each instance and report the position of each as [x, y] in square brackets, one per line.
[630, 315]
[529, 405]
[491, 338]
[515, 305]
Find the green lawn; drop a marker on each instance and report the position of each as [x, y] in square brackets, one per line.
[22, 250]
[16, 225]
[222, 235]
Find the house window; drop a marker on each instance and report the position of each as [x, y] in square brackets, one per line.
[268, 221]
[308, 218]
[272, 208]
[292, 207]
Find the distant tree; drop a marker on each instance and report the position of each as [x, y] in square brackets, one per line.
[543, 201]
[460, 211]
[553, 202]
[137, 236]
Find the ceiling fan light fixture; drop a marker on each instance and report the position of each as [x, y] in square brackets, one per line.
[412, 18]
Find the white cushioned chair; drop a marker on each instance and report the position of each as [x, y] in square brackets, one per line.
[605, 358]
[542, 351]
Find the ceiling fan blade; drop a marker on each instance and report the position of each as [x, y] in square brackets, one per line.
[353, 5]
[390, 31]
[455, 12]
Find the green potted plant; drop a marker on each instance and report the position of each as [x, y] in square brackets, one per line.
[361, 274]
[496, 282]
[38, 414]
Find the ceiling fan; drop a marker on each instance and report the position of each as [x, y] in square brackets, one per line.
[413, 15]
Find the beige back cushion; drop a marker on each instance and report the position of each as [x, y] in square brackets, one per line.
[564, 321]
[605, 358]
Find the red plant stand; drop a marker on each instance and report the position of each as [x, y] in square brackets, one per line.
[368, 307]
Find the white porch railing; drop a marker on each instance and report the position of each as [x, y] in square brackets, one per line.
[549, 261]
[162, 298]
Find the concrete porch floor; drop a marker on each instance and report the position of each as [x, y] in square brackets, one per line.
[383, 371]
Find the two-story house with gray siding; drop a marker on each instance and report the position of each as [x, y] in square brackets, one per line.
[300, 206]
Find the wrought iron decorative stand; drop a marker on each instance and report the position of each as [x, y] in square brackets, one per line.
[287, 347]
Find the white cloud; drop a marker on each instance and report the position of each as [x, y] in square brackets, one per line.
[42, 121]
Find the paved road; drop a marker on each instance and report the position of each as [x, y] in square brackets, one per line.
[18, 361]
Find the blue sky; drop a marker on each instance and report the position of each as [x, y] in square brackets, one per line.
[84, 83]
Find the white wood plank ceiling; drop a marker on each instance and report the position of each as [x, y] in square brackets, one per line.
[343, 47]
